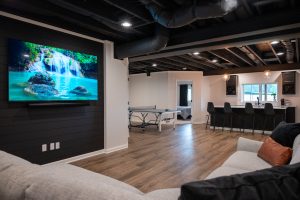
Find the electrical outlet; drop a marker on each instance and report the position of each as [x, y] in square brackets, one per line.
[57, 145]
[44, 147]
[52, 147]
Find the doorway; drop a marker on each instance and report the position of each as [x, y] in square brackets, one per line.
[184, 101]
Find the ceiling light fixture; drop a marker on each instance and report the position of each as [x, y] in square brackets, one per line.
[214, 60]
[267, 73]
[226, 77]
[154, 65]
[126, 24]
[196, 53]
[280, 53]
[184, 68]
[275, 42]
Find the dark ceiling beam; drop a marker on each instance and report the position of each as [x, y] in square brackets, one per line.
[131, 9]
[178, 65]
[241, 55]
[100, 15]
[184, 62]
[272, 22]
[275, 53]
[198, 61]
[143, 67]
[278, 67]
[42, 10]
[160, 65]
[247, 7]
[158, 3]
[203, 56]
[298, 50]
[222, 54]
[293, 2]
[256, 53]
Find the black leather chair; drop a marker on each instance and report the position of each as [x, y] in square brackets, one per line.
[227, 114]
[269, 113]
[249, 112]
[211, 115]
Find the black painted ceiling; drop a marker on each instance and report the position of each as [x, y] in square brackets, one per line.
[102, 19]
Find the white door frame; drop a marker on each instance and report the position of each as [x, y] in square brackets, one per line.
[192, 103]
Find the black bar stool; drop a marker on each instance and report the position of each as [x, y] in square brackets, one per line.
[211, 114]
[269, 113]
[249, 112]
[227, 114]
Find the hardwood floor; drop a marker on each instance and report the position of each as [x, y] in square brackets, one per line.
[155, 161]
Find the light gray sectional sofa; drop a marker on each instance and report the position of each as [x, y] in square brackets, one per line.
[20, 179]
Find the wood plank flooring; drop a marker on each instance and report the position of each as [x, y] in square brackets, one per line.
[168, 159]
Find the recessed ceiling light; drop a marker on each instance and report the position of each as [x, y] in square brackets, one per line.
[184, 68]
[214, 60]
[280, 53]
[26, 55]
[196, 53]
[154, 65]
[267, 73]
[226, 77]
[275, 42]
[126, 24]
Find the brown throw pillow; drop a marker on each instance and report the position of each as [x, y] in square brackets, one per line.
[274, 153]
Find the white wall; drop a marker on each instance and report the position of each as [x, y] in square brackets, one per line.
[161, 90]
[215, 89]
[116, 101]
[149, 91]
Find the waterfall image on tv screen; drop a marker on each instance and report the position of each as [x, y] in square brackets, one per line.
[44, 73]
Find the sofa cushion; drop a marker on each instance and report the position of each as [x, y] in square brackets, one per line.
[296, 156]
[285, 133]
[164, 194]
[7, 160]
[246, 161]
[14, 176]
[225, 171]
[274, 153]
[296, 144]
[87, 177]
[50, 184]
[272, 183]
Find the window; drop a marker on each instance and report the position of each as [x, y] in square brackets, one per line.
[265, 92]
[189, 94]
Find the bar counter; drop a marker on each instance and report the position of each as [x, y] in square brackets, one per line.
[241, 120]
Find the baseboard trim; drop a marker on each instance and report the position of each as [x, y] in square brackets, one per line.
[91, 154]
[117, 148]
[198, 122]
[246, 130]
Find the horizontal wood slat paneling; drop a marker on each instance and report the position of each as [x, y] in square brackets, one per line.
[23, 129]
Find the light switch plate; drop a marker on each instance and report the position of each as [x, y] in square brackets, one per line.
[52, 146]
[57, 145]
[44, 147]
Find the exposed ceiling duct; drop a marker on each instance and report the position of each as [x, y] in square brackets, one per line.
[178, 18]
[188, 14]
[289, 51]
[144, 46]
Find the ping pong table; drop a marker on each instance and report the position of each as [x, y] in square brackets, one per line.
[149, 116]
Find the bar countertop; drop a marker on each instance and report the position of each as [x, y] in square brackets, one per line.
[256, 107]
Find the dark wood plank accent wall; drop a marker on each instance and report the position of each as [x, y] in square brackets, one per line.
[23, 129]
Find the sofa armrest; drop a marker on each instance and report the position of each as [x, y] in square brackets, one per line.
[245, 144]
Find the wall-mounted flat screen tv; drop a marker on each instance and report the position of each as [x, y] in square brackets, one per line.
[45, 73]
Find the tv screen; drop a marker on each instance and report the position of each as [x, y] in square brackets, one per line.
[44, 73]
